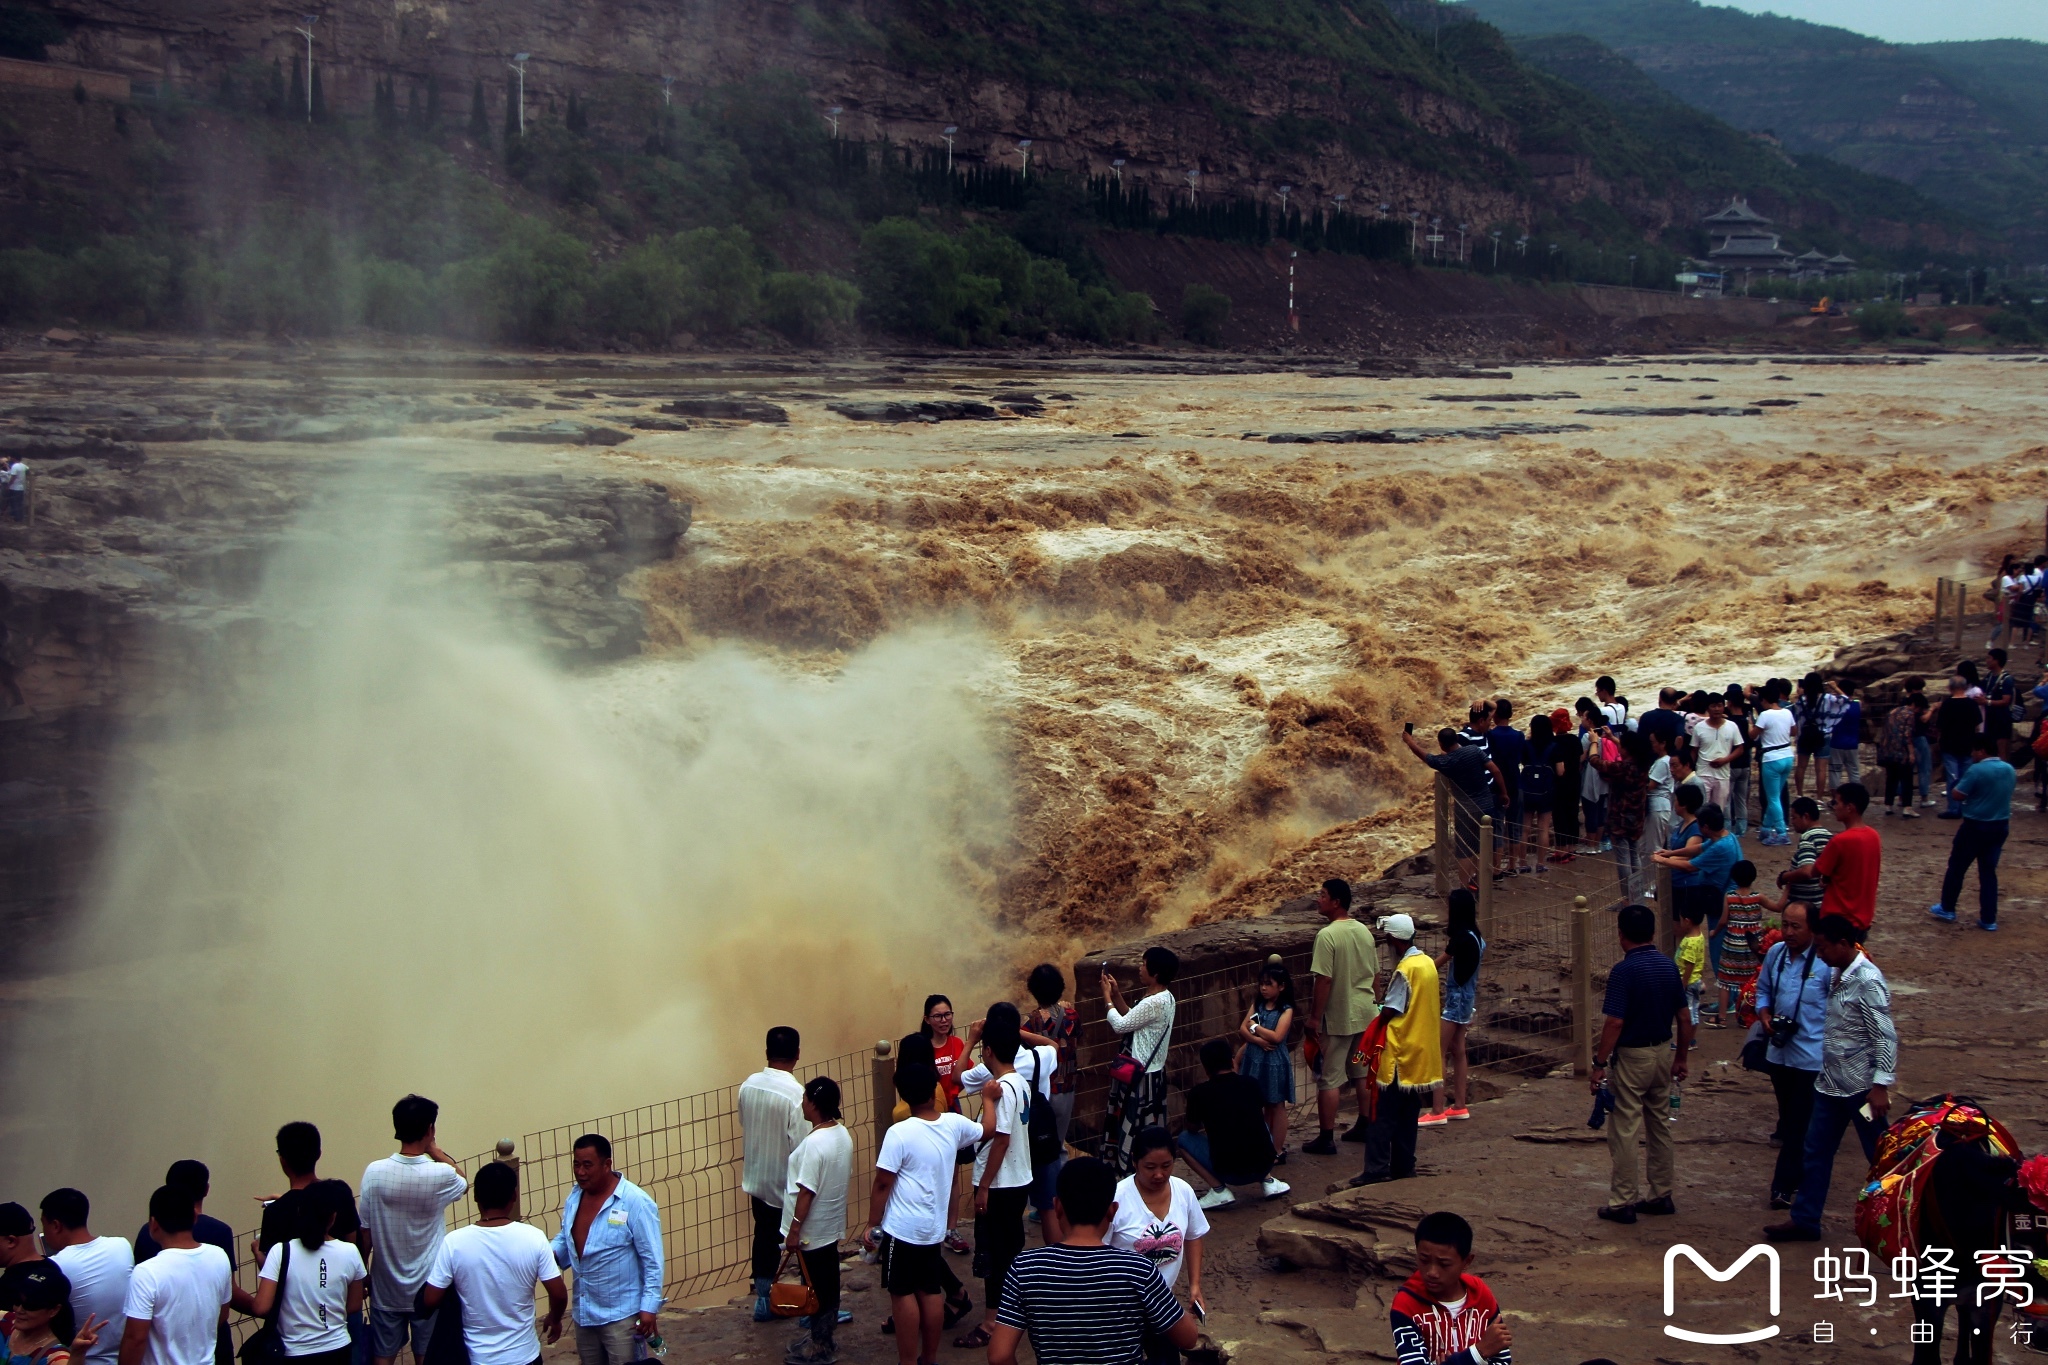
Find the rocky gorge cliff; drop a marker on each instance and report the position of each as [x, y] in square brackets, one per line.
[1335, 102]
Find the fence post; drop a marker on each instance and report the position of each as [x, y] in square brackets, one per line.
[1940, 604]
[884, 1081]
[1667, 920]
[1962, 610]
[1485, 876]
[1582, 987]
[1444, 854]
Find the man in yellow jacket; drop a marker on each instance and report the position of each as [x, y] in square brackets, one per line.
[1412, 1062]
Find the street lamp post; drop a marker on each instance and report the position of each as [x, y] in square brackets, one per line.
[1116, 167]
[518, 64]
[1285, 190]
[307, 32]
[952, 130]
[1461, 242]
[1194, 178]
[1436, 236]
[1384, 210]
[1631, 269]
[1024, 151]
[1496, 249]
[832, 117]
[666, 82]
[1340, 200]
[1414, 233]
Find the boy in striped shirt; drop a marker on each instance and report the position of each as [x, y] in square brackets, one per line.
[1082, 1301]
[1443, 1315]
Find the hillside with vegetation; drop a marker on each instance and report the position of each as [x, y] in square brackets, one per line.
[603, 212]
[1966, 123]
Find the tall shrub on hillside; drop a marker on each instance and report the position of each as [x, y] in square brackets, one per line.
[916, 282]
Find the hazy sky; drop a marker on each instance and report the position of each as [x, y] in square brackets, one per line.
[1917, 21]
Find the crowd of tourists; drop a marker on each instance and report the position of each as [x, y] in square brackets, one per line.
[978, 1148]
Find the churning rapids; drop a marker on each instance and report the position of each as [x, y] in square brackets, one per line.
[910, 703]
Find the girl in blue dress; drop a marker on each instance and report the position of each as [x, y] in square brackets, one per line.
[1268, 1054]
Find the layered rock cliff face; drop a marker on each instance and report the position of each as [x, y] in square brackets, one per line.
[139, 577]
[1259, 119]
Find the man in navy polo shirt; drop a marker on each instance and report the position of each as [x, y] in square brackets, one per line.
[1634, 1057]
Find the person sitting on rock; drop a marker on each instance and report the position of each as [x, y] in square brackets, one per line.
[1227, 1141]
[1444, 1315]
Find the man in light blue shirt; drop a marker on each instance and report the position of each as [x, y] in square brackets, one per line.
[611, 1241]
[1985, 790]
[1792, 995]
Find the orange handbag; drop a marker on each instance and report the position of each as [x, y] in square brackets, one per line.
[792, 1300]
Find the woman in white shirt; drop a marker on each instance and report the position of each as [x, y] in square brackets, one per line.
[814, 1210]
[1148, 1026]
[313, 1281]
[1159, 1217]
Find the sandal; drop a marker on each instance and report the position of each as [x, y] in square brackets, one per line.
[977, 1340]
[957, 1309]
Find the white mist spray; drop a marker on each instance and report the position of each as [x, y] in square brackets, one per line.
[393, 848]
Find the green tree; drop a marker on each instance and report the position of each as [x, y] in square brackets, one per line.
[642, 295]
[511, 107]
[916, 282]
[1203, 311]
[808, 309]
[531, 288]
[319, 98]
[479, 118]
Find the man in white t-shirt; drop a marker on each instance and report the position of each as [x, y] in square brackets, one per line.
[907, 1211]
[493, 1265]
[15, 480]
[178, 1298]
[1716, 741]
[814, 1215]
[1002, 1160]
[771, 1105]
[401, 1205]
[97, 1267]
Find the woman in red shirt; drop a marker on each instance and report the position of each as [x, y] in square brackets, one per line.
[949, 1055]
[948, 1049]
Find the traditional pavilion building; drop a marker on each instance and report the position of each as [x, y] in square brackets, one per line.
[1743, 240]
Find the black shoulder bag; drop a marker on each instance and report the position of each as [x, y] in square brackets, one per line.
[265, 1345]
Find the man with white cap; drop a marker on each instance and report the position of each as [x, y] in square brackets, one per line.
[1412, 1062]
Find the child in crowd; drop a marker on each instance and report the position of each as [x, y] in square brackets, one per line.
[1267, 1056]
[1801, 881]
[1444, 1315]
[1692, 958]
[1742, 934]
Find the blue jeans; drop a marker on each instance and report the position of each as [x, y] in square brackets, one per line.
[1953, 766]
[1923, 762]
[1832, 1115]
[1979, 842]
[1777, 779]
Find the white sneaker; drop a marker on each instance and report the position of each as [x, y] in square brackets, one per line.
[1217, 1199]
[1273, 1189]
